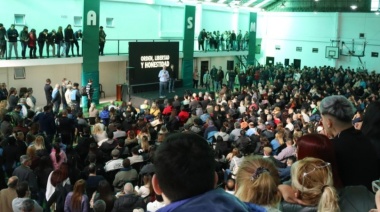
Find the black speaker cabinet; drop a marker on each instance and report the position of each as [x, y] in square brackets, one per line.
[230, 64]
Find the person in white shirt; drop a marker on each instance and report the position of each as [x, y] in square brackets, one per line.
[23, 193]
[68, 94]
[115, 163]
[289, 124]
[164, 78]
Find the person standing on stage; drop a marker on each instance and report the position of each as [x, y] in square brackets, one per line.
[173, 77]
[164, 78]
[89, 93]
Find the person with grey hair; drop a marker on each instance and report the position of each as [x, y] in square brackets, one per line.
[24, 173]
[355, 155]
[27, 205]
[128, 200]
[99, 206]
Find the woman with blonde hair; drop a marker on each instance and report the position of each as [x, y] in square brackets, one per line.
[257, 181]
[39, 144]
[278, 143]
[93, 112]
[313, 182]
[99, 134]
[154, 110]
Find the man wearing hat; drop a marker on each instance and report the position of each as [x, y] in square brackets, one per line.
[2, 40]
[42, 38]
[115, 163]
[24, 173]
[12, 35]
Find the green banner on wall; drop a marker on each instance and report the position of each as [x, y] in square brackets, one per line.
[90, 47]
[188, 46]
[252, 39]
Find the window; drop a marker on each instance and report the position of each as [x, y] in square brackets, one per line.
[20, 19]
[109, 22]
[19, 73]
[78, 21]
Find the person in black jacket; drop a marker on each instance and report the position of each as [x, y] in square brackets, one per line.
[77, 36]
[3, 41]
[42, 38]
[24, 38]
[127, 200]
[48, 91]
[50, 41]
[12, 35]
[69, 38]
[59, 40]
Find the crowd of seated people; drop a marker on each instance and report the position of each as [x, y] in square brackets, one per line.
[291, 143]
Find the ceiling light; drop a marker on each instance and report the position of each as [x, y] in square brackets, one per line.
[353, 7]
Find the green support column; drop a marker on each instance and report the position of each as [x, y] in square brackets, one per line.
[188, 46]
[252, 39]
[90, 47]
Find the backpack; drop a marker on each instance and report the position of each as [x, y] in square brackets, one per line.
[83, 91]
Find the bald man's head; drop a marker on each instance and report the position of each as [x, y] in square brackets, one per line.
[12, 182]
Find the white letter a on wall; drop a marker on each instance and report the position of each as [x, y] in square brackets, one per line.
[91, 18]
[253, 27]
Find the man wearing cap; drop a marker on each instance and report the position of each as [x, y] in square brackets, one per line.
[12, 35]
[115, 163]
[24, 173]
[42, 38]
[2, 41]
[102, 40]
[8, 194]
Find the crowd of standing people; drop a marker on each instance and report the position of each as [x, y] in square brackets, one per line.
[57, 43]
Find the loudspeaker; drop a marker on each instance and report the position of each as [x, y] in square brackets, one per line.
[286, 63]
[297, 63]
[230, 64]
